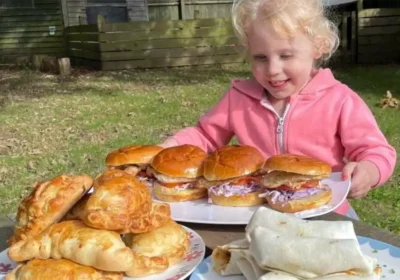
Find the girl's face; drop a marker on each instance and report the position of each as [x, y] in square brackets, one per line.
[281, 65]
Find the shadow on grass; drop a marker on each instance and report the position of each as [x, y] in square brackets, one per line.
[23, 84]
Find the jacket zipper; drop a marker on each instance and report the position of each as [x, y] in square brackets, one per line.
[279, 128]
[281, 122]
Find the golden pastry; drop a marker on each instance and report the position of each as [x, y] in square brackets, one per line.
[75, 241]
[48, 203]
[170, 241]
[59, 270]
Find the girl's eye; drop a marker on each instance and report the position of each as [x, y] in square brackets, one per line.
[260, 57]
[286, 56]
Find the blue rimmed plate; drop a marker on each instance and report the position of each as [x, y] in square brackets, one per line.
[388, 257]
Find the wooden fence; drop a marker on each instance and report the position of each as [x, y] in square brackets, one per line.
[373, 4]
[188, 9]
[110, 46]
[76, 11]
[26, 31]
[378, 36]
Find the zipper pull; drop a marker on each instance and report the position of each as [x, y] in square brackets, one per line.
[279, 129]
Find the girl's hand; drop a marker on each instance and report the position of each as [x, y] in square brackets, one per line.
[364, 175]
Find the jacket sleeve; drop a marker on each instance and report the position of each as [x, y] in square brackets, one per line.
[362, 138]
[213, 129]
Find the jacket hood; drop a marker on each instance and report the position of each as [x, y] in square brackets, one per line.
[322, 81]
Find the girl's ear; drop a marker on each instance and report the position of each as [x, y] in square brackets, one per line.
[317, 54]
[321, 46]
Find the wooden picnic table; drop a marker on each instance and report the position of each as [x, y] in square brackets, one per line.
[214, 235]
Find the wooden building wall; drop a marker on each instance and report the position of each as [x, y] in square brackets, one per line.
[188, 9]
[75, 11]
[149, 44]
[373, 4]
[31, 29]
[378, 36]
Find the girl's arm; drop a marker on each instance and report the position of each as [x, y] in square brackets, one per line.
[362, 138]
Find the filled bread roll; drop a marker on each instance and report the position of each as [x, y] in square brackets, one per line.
[75, 241]
[170, 241]
[116, 203]
[59, 270]
[108, 175]
[47, 204]
[158, 216]
[78, 210]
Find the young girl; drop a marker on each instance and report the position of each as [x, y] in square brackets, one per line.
[291, 105]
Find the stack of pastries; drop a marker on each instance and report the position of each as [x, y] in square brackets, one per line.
[235, 176]
[63, 231]
[116, 229]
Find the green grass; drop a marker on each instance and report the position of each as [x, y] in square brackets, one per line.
[50, 126]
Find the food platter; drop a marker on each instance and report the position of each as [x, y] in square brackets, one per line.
[201, 211]
[179, 271]
[388, 257]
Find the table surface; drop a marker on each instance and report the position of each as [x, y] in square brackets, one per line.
[214, 235]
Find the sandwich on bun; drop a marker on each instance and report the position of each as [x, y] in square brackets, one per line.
[176, 170]
[293, 184]
[229, 172]
[134, 160]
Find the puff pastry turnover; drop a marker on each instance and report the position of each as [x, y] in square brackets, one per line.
[110, 174]
[170, 242]
[75, 241]
[117, 203]
[48, 203]
[59, 270]
[159, 215]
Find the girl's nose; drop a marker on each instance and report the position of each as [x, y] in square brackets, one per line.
[273, 67]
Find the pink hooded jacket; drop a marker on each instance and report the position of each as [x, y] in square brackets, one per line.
[326, 120]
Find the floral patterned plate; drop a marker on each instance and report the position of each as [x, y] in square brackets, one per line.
[388, 257]
[179, 271]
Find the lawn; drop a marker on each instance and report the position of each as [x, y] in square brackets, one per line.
[51, 125]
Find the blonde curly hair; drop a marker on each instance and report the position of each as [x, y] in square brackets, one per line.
[287, 17]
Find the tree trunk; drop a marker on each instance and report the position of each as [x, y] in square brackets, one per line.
[64, 66]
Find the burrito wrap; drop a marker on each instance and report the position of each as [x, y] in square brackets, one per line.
[307, 257]
[288, 224]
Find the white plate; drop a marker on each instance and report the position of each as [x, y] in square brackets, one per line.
[200, 211]
[388, 257]
[179, 271]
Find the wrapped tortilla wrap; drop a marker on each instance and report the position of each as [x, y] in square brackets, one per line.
[342, 276]
[224, 258]
[275, 275]
[249, 267]
[307, 257]
[289, 224]
[376, 275]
